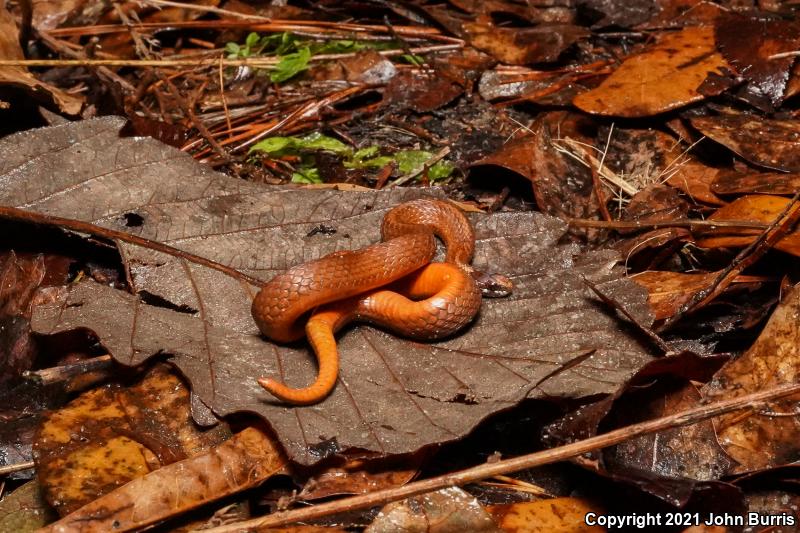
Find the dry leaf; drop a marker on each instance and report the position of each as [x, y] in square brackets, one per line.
[393, 396]
[666, 76]
[111, 435]
[243, 462]
[445, 511]
[557, 515]
[753, 208]
[756, 440]
[766, 142]
[20, 78]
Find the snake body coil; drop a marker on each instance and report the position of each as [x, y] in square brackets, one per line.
[392, 284]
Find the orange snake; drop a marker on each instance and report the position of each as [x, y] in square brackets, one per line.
[369, 285]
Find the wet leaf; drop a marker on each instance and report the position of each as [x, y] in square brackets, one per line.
[111, 435]
[756, 182]
[666, 76]
[523, 46]
[556, 515]
[765, 142]
[243, 462]
[562, 186]
[20, 78]
[393, 396]
[24, 510]
[445, 511]
[748, 43]
[668, 291]
[757, 440]
[421, 91]
[753, 208]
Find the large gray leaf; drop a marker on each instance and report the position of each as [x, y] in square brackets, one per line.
[393, 395]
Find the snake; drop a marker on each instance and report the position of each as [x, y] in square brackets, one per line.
[392, 284]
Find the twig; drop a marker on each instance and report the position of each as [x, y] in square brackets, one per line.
[508, 466]
[255, 62]
[658, 224]
[14, 213]
[752, 253]
[334, 28]
[10, 469]
[204, 9]
[57, 374]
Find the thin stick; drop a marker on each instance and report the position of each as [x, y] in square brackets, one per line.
[10, 469]
[254, 62]
[205, 9]
[57, 374]
[658, 224]
[508, 466]
[14, 213]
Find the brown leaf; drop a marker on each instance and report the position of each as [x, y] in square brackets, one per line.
[769, 143]
[559, 515]
[757, 440]
[748, 43]
[20, 78]
[19, 278]
[732, 182]
[562, 186]
[362, 476]
[523, 46]
[696, 180]
[421, 91]
[111, 435]
[242, 462]
[393, 396]
[666, 76]
[444, 511]
[753, 208]
[670, 290]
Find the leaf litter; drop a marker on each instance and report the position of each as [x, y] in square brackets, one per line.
[393, 396]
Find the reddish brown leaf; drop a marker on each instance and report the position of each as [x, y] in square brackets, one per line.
[666, 76]
[748, 43]
[420, 91]
[754, 208]
[757, 440]
[562, 186]
[362, 476]
[19, 77]
[393, 396]
[523, 46]
[766, 142]
[732, 182]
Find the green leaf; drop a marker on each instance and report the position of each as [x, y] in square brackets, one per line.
[318, 141]
[273, 145]
[409, 161]
[306, 175]
[232, 49]
[252, 40]
[365, 153]
[290, 65]
[440, 170]
[377, 162]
